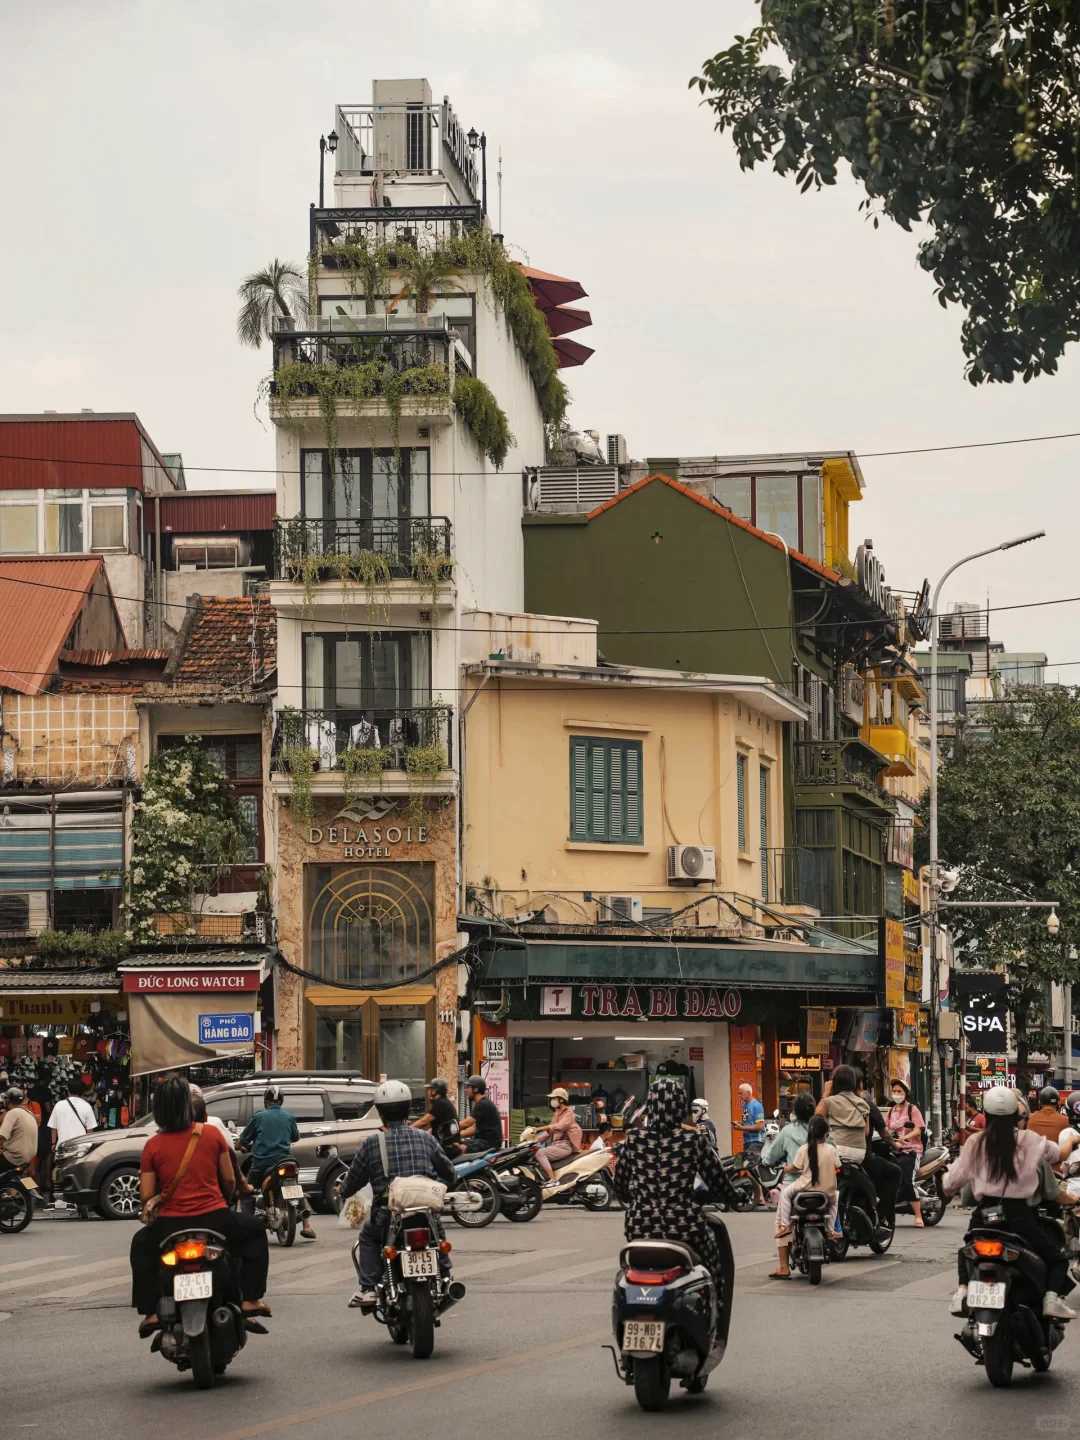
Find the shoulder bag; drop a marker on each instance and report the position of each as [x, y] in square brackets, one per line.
[153, 1206]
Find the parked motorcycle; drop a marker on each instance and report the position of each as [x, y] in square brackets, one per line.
[584, 1178]
[514, 1171]
[202, 1324]
[809, 1244]
[670, 1320]
[741, 1173]
[416, 1287]
[928, 1182]
[17, 1194]
[1004, 1322]
[474, 1179]
[858, 1220]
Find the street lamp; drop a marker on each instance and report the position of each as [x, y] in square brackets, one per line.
[935, 979]
[326, 142]
[480, 140]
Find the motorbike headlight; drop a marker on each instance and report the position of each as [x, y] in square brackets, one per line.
[73, 1150]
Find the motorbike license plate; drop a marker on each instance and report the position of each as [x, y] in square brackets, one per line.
[28, 1182]
[419, 1264]
[643, 1335]
[292, 1192]
[199, 1285]
[982, 1296]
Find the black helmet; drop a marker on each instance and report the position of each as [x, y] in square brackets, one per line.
[476, 1082]
[439, 1086]
[1049, 1096]
[273, 1095]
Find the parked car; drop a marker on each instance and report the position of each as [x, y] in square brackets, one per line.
[333, 1111]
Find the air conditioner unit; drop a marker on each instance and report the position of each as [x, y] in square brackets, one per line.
[690, 864]
[619, 910]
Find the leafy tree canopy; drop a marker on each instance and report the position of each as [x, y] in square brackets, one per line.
[1009, 819]
[963, 115]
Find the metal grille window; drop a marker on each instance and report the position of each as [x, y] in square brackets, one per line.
[606, 790]
[741, 767]
[14, 913]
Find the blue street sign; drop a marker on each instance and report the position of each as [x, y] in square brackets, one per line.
[238, 1029]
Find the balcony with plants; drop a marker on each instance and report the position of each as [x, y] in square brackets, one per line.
[403, 558]
[840, 768]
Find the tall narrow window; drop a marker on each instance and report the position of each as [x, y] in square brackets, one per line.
[763, 827]
[605, 791]
[741, 766]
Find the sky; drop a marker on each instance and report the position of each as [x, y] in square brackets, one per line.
[155, 151]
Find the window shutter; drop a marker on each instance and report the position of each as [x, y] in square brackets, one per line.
[740, 788]
[617, 795]
[634, 817]
[598, 790]
[763, 827]
[579, 789]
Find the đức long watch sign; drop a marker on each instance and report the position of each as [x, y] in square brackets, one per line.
[190, 982]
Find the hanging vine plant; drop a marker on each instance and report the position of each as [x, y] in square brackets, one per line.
[299, 761]
[484, 418]
[423, 765]
[431, 568]
[362, 769]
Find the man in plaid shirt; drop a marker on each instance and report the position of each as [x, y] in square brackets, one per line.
[408, 1152]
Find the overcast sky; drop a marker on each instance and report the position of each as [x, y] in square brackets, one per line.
[154, 151]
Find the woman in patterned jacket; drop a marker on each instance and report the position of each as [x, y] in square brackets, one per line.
[655, 1173]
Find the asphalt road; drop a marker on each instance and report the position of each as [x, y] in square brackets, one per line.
[869, 1353]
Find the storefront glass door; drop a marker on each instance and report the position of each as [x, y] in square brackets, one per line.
[339, 1040]
[403, 1045]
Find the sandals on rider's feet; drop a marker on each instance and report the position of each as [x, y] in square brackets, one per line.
[255, 1327]
[779, 1274]
[147, 1328]
[250, 1311]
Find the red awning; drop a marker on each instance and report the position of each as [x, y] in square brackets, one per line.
[564, 318]
[570, 352]
[552, 290]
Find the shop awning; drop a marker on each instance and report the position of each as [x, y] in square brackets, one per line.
[65, 842]
[56, 997]
[166, 1029]
[747, 965]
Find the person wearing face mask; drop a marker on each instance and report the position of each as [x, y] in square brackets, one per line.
[905, 1126]
[563, 1134]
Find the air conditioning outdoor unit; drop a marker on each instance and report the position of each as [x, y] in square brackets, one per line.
[690, 864]
[619, 909]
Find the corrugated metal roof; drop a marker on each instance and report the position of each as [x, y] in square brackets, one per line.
[36, 622]
[215, 512]
[49, 452]
[196, 959]
[73, 982]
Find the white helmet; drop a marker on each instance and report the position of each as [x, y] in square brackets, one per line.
[1001, 1100]
[699, 1106]
[393, 1092]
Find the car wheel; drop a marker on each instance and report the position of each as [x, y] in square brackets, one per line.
[331, 1193]
[118, 1196]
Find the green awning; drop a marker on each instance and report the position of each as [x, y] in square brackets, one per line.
[749, 965]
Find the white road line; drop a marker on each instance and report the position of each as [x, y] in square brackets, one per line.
[45, 1281]
[40, 1262]
[467, 1271]
[574, 1272]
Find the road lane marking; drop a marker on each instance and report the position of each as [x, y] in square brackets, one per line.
[576, 1272]
[438, 1381]
[45, 1283]
[468, 1271]
[40, 1262]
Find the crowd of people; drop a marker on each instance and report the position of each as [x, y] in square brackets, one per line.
[29, 1139]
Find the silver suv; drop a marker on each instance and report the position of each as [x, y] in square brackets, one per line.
[333, 1109]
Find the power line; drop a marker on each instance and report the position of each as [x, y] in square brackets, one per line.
[968, 445]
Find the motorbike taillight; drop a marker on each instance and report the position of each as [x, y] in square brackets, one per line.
[654, 1277]
[287, 1170]
[416, 1239]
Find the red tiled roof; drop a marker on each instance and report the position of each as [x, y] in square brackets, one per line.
[36, 618]
[729, 515]
[231, 643]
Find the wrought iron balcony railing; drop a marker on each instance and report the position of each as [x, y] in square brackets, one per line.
[418, 227]
[416, 547]
[365, 740]
[787, 876]
[839, 763]
[393, 344]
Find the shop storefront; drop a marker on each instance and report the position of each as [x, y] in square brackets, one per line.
[59, 1029]
[603, 1019]
[366, 910]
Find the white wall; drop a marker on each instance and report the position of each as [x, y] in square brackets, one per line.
[127, 579]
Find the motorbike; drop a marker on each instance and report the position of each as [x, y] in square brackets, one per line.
[202, 1324]
[669, 1319]
[514, 1171]
[928, 1182]
[1006, 1285]
[18, 1191]
[279, 1200]
[416, 1287]
[858, 1221]
[474, 1179]
[809, 1245]
[584, 1178]
[740, 1172]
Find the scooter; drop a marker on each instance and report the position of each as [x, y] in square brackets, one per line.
[18, 1192]
[809, 1245]
[671, 1322]
[857, 1219]
[202, 1324]
[1006, 1286]
[928, 1183]
[584, 1178]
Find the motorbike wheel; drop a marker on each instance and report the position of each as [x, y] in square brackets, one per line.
[597, 1202]
[532, 1202]
[16, 1209]
[839, 1245]
[286, 1232]
[422, 1321]
[202, 1363]
[477, 1219]
[652, 1383]
[933, 1209]
[813, 1270]
[998, 1355]
[883, 1237]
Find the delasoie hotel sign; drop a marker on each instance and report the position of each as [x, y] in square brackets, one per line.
[362, 832]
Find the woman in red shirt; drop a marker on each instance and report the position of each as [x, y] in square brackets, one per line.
[192, 1196]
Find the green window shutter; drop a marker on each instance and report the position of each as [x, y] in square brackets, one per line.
[740, 787]
[606, 790]
[763, 827]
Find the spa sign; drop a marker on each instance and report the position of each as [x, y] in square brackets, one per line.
[367, 842]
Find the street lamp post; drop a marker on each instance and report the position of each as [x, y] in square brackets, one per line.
[326, 142]
[936, 1096]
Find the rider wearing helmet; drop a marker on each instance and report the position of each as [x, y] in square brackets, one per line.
[1003, 1162]
[269, 1135]
[482, 1128]
[18, 1131]
[409, 1151]
[440, 1117]
[1047, 1120]
[699, 1114]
